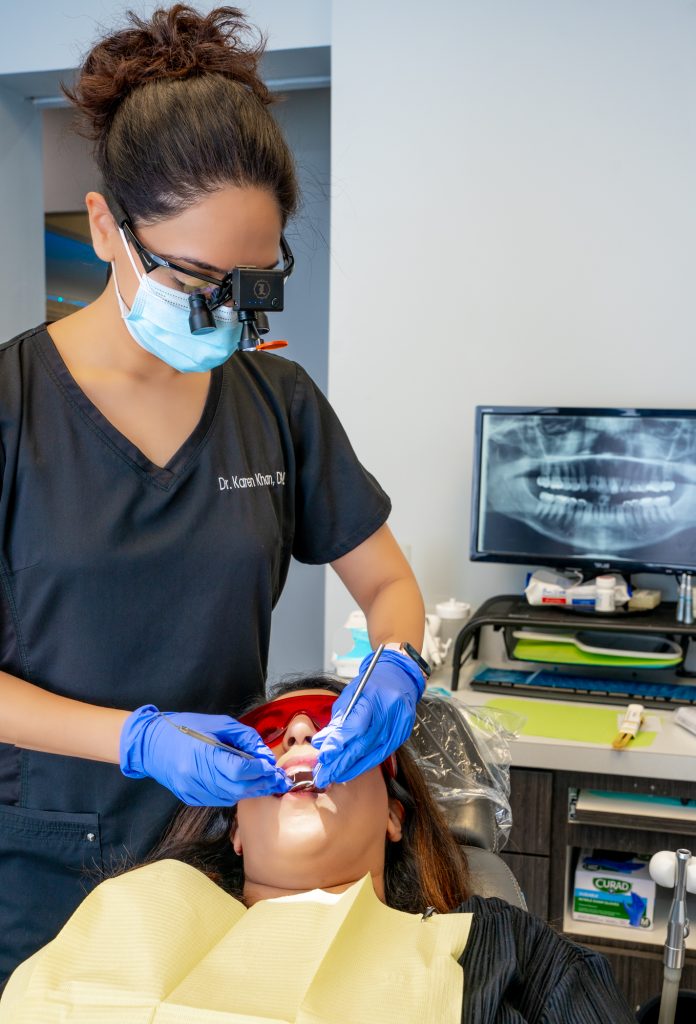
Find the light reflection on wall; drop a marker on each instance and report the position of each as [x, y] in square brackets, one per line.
[75, 276]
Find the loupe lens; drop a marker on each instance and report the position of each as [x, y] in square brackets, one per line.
[200, 318]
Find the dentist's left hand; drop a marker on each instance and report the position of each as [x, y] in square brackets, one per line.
[380, 721]
[197, 772]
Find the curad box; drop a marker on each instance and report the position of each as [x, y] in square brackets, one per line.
[614, 889]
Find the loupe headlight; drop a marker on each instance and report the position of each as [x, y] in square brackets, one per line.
[252, 292]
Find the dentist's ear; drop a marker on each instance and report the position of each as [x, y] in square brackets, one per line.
[105, 236]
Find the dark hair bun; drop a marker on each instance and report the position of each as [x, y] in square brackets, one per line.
[175, 43]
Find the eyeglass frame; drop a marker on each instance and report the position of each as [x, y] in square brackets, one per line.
[150, 261]
[295, 702]
[316, 706]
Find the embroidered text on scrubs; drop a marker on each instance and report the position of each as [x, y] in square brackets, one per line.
[276, 479]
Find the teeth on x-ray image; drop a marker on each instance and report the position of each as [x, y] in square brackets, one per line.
[599, 485]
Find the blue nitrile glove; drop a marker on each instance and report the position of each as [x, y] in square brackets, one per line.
[197, 772]
[381, 720]
[635, 908]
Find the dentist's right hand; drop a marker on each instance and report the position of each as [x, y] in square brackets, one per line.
[197, 772]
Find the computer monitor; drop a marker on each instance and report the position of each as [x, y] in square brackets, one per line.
[593, 489]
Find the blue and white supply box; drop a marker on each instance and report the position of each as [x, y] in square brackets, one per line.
[614, 888]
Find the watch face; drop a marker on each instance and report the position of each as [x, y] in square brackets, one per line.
[419, 660]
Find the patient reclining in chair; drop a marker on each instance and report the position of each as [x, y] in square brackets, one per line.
[344, 906]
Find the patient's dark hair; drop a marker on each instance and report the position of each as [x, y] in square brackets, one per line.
[176, 108]
[425, 869]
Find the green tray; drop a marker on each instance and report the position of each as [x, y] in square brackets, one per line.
[568, 654]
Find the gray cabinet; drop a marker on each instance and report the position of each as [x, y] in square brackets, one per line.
[542, 850]
[529, 844]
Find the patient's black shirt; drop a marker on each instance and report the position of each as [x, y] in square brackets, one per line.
[518, 970]
[123, 583]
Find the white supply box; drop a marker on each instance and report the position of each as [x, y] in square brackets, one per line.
[614, 889]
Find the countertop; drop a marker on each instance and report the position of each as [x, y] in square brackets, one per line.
[672, 754]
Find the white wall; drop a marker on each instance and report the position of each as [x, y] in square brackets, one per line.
[22, 294]
[69, 172]
[46, 35]
[297, 627]
[513, 221]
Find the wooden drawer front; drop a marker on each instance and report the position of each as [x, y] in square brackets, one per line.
[530, 800]
[532, 874]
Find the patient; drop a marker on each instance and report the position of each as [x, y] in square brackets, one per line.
[344, 906]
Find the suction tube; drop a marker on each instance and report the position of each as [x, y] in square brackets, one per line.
[670, 991]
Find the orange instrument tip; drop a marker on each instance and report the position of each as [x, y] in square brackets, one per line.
[272, 344]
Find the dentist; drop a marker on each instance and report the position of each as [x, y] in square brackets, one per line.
[155, 484]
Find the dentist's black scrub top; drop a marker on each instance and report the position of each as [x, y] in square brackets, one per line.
[123, 583]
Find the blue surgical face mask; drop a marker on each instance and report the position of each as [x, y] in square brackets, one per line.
[159, 322]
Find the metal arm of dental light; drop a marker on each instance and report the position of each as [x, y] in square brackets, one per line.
[677, 871]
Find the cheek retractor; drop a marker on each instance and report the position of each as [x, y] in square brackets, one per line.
[304, 780]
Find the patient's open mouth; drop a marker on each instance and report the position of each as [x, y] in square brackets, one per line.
[301, 775]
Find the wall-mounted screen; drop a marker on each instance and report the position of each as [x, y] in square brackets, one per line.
[592, 488]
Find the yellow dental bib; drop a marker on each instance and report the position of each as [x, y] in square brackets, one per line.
[165, 945]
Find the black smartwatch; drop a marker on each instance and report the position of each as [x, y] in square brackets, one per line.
[408, 649]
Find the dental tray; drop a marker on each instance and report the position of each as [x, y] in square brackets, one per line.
[587, 647]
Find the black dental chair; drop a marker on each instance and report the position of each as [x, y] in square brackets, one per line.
[447, 751]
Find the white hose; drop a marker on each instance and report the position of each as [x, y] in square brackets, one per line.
[670, 991]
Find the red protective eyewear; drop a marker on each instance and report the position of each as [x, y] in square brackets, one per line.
[271, 720]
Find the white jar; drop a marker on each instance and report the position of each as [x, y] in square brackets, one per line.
[605, 600]
[452, 614]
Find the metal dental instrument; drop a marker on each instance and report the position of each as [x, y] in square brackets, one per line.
[209, 739]
[302, 784]
[677, 930]
[688, 603]
[676, 870]
[361, 684]
[681, 601]
[309, 783]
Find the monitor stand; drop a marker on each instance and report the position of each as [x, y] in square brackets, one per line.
[511, 610]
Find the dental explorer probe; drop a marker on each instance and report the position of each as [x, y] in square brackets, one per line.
[209, 739]
[361, 684]
[309, 783]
